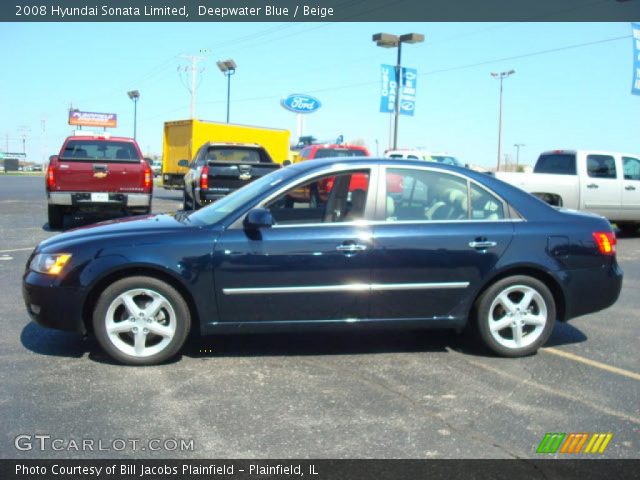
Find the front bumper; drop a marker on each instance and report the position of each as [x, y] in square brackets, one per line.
[99, 199]
[51, 305]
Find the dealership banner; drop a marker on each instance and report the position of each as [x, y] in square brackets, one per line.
[92, 119]
[408, 91]
[635, 89]
[389, 90]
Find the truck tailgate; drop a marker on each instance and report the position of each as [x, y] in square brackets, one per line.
[86, 176]
[235, 175]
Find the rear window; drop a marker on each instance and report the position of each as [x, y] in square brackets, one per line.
[446, 160]
[235, 155]
[100, 150]
[338, 152]
[557, 163]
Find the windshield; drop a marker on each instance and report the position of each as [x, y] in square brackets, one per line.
[100, 150]
[217, 211]
[447, 160]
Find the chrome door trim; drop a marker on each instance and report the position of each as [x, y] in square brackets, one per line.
[353, 287]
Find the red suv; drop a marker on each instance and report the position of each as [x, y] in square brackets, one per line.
[98, 173]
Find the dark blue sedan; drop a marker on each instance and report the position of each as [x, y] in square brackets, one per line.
[389, 244]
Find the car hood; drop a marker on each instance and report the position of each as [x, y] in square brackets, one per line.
[133, 227]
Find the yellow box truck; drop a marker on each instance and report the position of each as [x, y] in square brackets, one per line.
[183, 138]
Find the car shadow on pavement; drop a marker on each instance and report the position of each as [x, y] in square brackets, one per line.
[318, 343]
[48, 342]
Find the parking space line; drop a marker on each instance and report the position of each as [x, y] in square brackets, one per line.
[16, 250]
[550, 390]
[592, 363]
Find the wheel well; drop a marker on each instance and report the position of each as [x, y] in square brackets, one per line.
[99, 287]
[548, 280]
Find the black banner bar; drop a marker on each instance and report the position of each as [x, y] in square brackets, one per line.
[316, 469]
[318, 10]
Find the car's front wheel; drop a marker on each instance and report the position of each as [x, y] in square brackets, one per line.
[141, 321]
[515, 316]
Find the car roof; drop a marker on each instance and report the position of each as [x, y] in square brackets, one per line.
[105, 138]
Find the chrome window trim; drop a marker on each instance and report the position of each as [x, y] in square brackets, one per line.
[354, 287]
[372, 223]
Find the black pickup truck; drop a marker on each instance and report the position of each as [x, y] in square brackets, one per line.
[221, 168]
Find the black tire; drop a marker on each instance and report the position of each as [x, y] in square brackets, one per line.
[174, 312]
[55, 215]
[628, 229]
[186, 203]
[489, 306]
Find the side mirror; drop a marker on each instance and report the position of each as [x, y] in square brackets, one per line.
[258, 218]
[183, 163]
[53, 158]
[286, 163]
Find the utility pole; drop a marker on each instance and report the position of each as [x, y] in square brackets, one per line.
[500, 76]
[518, 145]
[194, 59]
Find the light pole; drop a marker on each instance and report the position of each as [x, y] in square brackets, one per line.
[134, 95]
[518, 145]
[501, 76]
[387, 40]
[228, 68]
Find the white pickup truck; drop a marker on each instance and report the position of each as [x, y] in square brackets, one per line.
[606, 183]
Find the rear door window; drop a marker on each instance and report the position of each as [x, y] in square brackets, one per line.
[556, 163]
[100, 151]
[601, 166]
[631, 168]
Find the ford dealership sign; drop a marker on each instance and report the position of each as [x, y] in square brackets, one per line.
[300, 103]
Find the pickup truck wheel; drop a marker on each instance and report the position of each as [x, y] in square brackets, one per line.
[55, 215]
[628, 229]
[141, 321]
[515, 316]
[186, 203]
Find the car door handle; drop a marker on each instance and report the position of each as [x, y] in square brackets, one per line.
[351, 247]
[592, 185]
[482, 244]
[629, 187]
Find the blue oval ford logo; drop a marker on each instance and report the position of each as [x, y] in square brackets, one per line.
[299, 103]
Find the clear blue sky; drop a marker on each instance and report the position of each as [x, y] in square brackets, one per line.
[573, 98]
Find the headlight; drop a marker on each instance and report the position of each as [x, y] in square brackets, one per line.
[49, 263]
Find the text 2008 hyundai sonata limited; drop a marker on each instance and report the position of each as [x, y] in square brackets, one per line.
[390, 244]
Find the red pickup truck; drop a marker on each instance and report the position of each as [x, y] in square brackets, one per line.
[98, 173]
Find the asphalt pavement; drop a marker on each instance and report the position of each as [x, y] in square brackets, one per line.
[322, 395]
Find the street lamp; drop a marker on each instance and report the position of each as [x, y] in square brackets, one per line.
[518, 145]
[134, 95]
[228, 68]
[501, 76]
[387, 40]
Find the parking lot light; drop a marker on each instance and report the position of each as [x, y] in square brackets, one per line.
[134, 95]
[228, 68]
[388, 40]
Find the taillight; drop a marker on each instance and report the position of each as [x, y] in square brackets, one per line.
[51, 179]
[148, 176]
[204, 178]
[606, 242]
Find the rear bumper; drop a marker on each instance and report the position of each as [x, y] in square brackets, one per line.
[98, 199]
[52, 306]
[592, 290]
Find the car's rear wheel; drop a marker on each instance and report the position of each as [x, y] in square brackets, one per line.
[55, 215]
[515, 316]
[141, 321]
